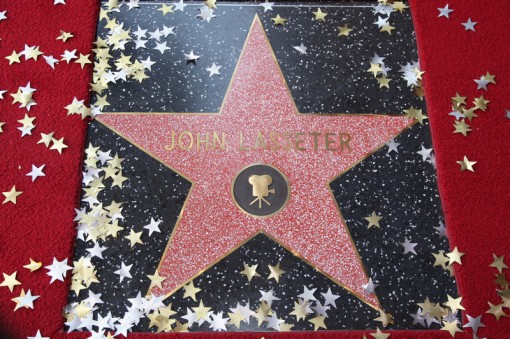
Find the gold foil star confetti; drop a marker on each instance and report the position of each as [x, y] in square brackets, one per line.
[374, 69]
[134, 238]
[10, 196]
[416, 114]
[101, 101]
[384, 82]
[454, 256]
[461, 127]
[496, 311]
[278, 20]
[301, 309]
[83, 60]
[191, 291]
[1, 127]
[387, 28]
[10, 281]
[465, 164]
[27, 125]
[14, 58]
[491, 78]
[318, 322]
[454, 303]
[112, 4]
[24, 97]
[31, 52]
[380, 335]
[58, 144]
[276, 272]
[399, 6]
[236, 318]
[384, 318]
[501, 280]
[373, 220]
[33, 265]
[156, 279]
[64, 36]
[250, 271]
[118, 180]
[469, 113]
[459, 100]
[319, 15]
[440, 259]
[499, 263]
[210, 3]
[344, 30]
[481, 103]
[201, 312]
[451, 327]
[25, 300]
[284, 327]
[165, 9]
[179, 327]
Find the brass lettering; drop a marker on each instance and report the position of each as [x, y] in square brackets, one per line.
[241, 143]
[315, 140]
[274, 140]
[221, 142]
[190, 136]
[298, 141]
[171, 147]
[329, 141]
[345, 141]
[286, 137]
[201, 141]
[260, 143]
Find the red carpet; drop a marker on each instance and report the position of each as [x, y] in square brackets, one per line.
[40, 225]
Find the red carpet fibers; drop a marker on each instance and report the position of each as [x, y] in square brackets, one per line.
[40, 225]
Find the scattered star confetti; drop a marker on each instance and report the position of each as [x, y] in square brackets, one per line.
[58, 270]
[64, 36]
[278, 20]
[465, 164]
[33, 265]
[373, 220]
[25, 300]
[268, 6]
[36, 172]
[445, 11]
[10, 281]
[10, 196]
[38, 335]
[301, 48]
[213, 70]
[344, 30]
[469, 25]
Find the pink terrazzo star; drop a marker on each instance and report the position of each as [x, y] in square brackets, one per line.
[211, 225]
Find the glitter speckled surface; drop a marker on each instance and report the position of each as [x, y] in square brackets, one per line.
[211, 225]
[396, 180]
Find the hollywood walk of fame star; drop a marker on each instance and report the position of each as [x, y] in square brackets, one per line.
[211, 225]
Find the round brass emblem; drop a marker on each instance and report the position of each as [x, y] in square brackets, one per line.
[260, 190]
